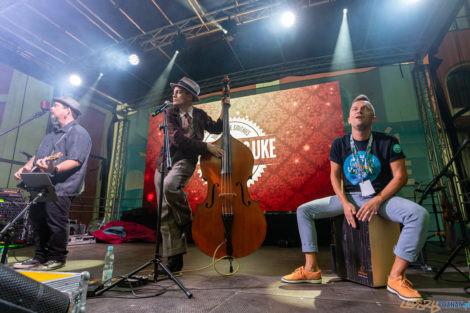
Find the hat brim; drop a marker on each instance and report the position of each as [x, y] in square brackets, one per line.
[195, 97]
[78, 112]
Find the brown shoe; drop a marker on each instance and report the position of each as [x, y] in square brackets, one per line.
[403, 288]
[300, 275]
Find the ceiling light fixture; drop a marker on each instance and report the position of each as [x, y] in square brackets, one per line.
[75, 80]
[134, 59]
[288, 19]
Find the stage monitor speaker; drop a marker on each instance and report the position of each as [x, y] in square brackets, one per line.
[17, 290]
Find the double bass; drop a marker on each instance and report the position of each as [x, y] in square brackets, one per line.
[228, 217]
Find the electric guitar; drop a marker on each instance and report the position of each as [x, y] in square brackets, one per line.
[36, 168]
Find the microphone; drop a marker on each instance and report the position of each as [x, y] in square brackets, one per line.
[160, 109]
[45, 105]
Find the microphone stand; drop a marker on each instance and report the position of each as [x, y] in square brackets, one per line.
[430, 189]
[166, 164]
[35, 116]
[465, 242]
[443, 172]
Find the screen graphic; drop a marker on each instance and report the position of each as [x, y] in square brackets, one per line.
[289, 133]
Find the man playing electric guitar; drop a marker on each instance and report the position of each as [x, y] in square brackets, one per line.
[50, 219]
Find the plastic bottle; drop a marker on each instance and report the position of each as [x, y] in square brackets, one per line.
[108, 266]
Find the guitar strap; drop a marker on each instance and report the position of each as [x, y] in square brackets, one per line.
[60, 139]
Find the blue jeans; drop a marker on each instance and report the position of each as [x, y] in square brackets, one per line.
[414, 218]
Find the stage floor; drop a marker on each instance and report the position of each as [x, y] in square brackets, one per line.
[256, 287]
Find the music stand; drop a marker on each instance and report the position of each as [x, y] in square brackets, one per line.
[166, 164]
[41, 186]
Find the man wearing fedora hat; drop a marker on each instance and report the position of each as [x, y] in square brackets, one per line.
[50, 219]
[186, 126]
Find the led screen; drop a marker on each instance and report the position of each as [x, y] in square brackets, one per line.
[289, 133]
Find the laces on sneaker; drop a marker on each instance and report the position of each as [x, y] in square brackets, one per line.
[406, 284]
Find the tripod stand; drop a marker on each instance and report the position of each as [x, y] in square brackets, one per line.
[34, 182]
[166, 165]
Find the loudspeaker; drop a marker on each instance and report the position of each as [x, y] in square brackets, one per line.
[19, 293]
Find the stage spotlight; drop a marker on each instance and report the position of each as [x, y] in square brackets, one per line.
[179, 42]
[411, 1]
[345, 11]
[75, 80]
[287, 19]
[101, 75]
[229, 26]
[134, 59]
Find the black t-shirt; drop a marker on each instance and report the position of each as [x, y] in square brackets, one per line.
[385, 149]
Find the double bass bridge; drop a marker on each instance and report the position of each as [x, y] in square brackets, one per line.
[228, 194]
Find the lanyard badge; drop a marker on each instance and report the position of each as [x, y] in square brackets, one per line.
[363, 168]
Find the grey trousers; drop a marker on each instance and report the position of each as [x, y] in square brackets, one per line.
[414, 218]
[176, 212]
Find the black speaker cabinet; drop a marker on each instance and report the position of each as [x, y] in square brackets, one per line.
[18, 291]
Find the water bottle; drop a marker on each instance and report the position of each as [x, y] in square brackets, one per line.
[108, 267]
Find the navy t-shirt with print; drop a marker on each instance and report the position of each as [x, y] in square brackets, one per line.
[385, 149]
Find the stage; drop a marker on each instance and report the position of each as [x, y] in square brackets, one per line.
[257, 286]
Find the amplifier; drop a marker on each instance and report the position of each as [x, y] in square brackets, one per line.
[73, 284]
[81, 239]
[8, 211]
[11, 195]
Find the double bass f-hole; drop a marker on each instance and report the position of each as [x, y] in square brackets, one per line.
[247, 203]
[212, 193]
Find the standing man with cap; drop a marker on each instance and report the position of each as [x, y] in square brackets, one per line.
[50, 219]
[186, 126]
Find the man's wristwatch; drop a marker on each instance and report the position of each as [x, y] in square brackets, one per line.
[55, 171]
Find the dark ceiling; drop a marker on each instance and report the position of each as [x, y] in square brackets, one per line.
[51, 38]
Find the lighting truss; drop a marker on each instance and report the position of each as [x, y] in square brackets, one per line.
[242, 12]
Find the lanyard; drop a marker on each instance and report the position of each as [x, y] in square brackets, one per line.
[356, 160]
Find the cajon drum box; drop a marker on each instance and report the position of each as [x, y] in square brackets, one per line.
[365, 254]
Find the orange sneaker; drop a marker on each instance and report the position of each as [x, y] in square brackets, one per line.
[403, 288]
[300, 275]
